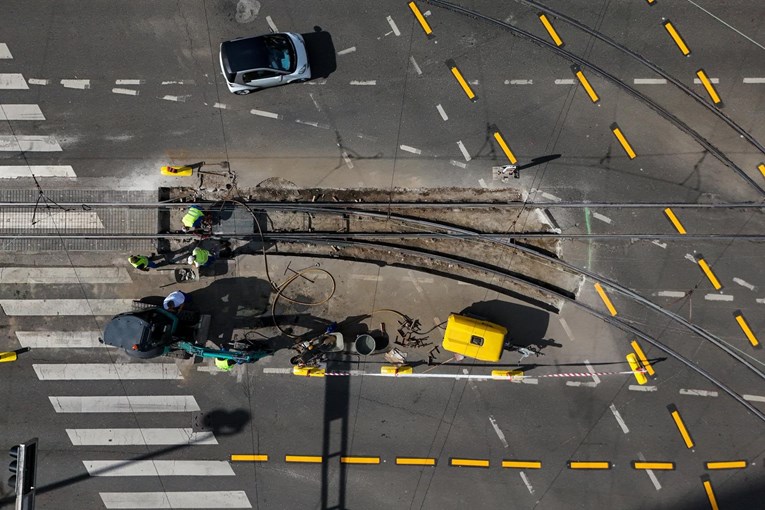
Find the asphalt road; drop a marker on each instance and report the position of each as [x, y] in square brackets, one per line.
[112, 91]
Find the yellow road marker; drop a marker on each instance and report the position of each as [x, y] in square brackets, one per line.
[423, 22]
[680, 425]
[461, 80]
[605, 299]
[745, 328]
[666, 466]
[359, 460]
[676, 37]
[727, 464]
[508, 153]
[710, 493]
[308, 459]
[761, 167]
[708, 271]
[415, 461]
[585, 83]
[176, 171]
[551, 30]
[249, 458]
[469, 462]
[710, 88]
[7, 357]
[651, 2]
[522, 464]
[579, 464]
[616, 130]
[671, 215]
[642, 357]
[637, 371]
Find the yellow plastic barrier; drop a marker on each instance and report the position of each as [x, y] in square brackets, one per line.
[6, 357]
[177, 171]
[394, 369]
[308, 371]
[636, 368]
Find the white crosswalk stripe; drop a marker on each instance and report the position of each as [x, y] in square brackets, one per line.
[63, 275]
[21, 112]
[17, 171]
[158, 468]
[142, 437]
[13, 81]
[4, 51]
[29, 143]
[42, 307]
[194, 499]
[59, 339]
[96, 371]
[125, 404]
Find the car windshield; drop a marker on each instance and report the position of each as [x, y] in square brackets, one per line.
[280, 54]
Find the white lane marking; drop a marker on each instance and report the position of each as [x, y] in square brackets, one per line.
[277, 371]
[28, 143]
[697, 81]
[410, 149]
[567, 329]
[181, 82]
[271, 24]
[412, 278]
[13, 81]
[74, 275]
[220, 106]
[592, 371]
[526, 482]
[442, 112]
[393, 26]
[4, 51]
[698, 393]
[129, 82]
[760, 300]
[650, 473]
[368, 82]
[158, 468]
[525, 380]
[690, 258]
[473, 82]
[106, 371]
[754, 398]
[649, 81]
[38, 81]
[347, 50]
[127, 92]
[42, 307]
[76, 84]
[602, 218]
[744, 283]
[312, 124]
[663, 246]
[727, 25]
[125, 404]
[565, 81]
[186, 499]
[415, 65]
[549, 196]
[619, 419]
[482, 183]
[577, 384]
[367, 277]
[718, 297]
[671, 293]
[746, 80]
[21, 112]
[176, 98]
[459, 164]
[59, 339]
[347, 159]
[416, 284]
[263, 113]
[465, 153]
[50, 220]
[16, 171]
[635, 387]
[499, 432]
[139, 437]
[519, 82]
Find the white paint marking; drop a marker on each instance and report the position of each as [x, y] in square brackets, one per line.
[459, 164]
[442, 112]
[181, 82]
[368, 82]
[567, 329]
[13, 81]
[649, 81]
[691, 258]
[754, 398]
[347, 159]
[659, 244]
[106, 371]
[271, 24]
[125, 404]
[760, 300]
[393, 26]
[519, 82]
[465, 153]
[312, 124]
[59, 339]
[14, 172]
[698, 393]
[602, 218]
[20, 112]
[592, 371]
[416, 284]
[76, 84]
[129, 82]
[565, 81]
[473, 82]
[671, 293]
[718, 297]
[416, 66]
[73, 275]
[410, 149]
[347, 50]
[499, 432]
[697, 81]
[366, 277]
[619, 419]
[526, 482]
[220, 106]
[263, 113]
[28, 143]
[4, 51]
[635, 387]
[176, 98]
[746, 80]
[482, 183]
[577, 384]
[127, 92]
[43, 307]
[744, 283]
[650, 473]
[38, 81]
[158, 468]
[185, 499]
[139, 437]
[277, 370]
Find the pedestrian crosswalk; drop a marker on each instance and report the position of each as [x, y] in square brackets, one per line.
[93, 371]
[194, 499]
[139, 437]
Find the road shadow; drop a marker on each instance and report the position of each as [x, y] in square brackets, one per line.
[321, 53]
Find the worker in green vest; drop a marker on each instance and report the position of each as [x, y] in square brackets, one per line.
[141, 262]
[200, 258]
[193, 219]
[224, 365]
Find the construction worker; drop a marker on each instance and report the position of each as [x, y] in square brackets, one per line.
[174, 301]
[200, 258]
[193, 219]
[141, 262]
[224, 365]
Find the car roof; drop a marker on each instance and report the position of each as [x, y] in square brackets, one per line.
[244, 54]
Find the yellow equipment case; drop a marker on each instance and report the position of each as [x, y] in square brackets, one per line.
[474, 338]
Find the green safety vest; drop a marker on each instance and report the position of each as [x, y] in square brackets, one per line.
[191, 216]
[141, 263]
[200, 256]
[223, 365]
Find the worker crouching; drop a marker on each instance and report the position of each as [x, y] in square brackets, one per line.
[200, 258]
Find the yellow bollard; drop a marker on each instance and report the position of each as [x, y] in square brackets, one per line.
[395, 369]
[308, 371]
[637, 370]
[6, 357]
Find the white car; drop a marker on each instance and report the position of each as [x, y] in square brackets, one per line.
[254, 63]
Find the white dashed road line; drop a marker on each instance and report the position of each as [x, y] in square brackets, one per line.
[415, 65]
[697, 81]
[347, 50]
[592, 371]
[263, 113]
[619, 419]
[463, 150]
[650, 473]
[180, 99]
[718, 297]
[602, 218]
[459, 164]
[368, 82]
[393, 26]
[441, 112]
[500, 434]
[407, 148]
[526, 482]
[38, 81]
[126, 92]
[699, 393]
[753, 398]
[567, 329]
[663, 246]
[519, 82]
[649, 81]
[635, 387]
[754, 80]
[75, 84]
[271, 24]
[565, 81]
[671, 293]
[129, 82]
[744, 284]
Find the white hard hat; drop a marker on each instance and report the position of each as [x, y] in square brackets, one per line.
[190, 260]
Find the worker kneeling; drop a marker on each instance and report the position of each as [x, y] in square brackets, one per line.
[224, 365]
[193, 219]
[200, 258]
